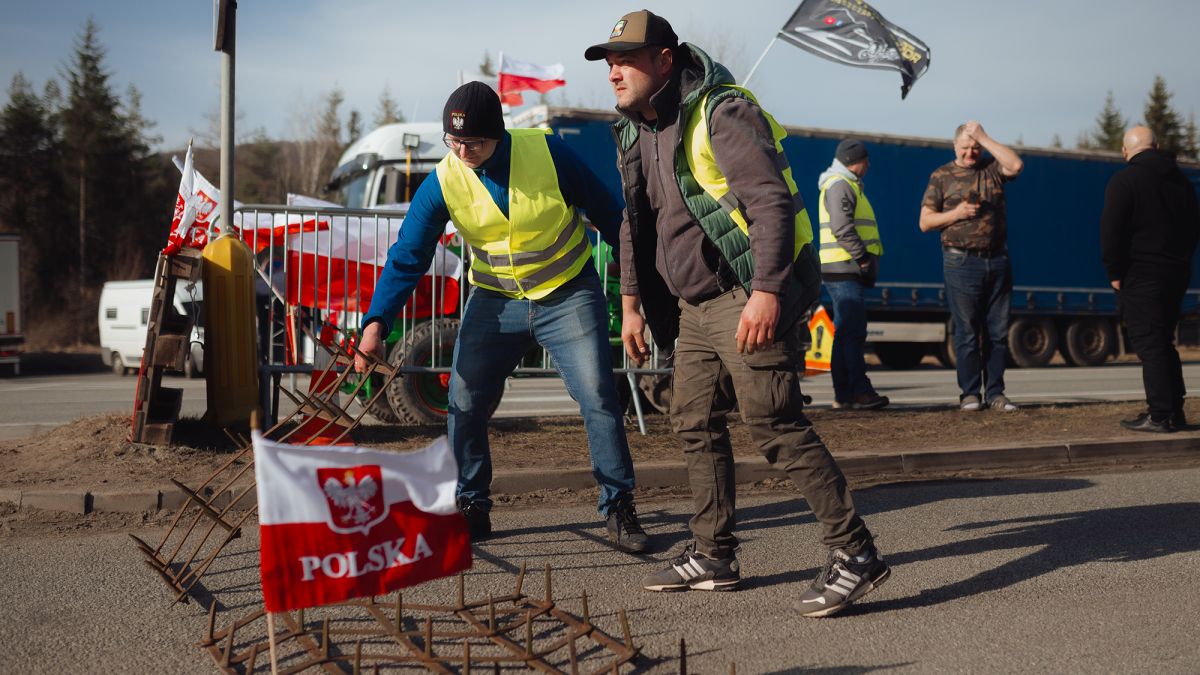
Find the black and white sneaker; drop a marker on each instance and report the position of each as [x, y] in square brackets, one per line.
[696, 571]
[843, 580]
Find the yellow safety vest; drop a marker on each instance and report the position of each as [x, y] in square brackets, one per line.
[541, 245]
[864, 225]
[703, 166]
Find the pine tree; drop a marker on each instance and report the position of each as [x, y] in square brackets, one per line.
[1191, 143]
[353, 127]
[31, 193]
[1162, 119]
[108, 181]
[1110, 127]
[388, 111]
[1056, 142]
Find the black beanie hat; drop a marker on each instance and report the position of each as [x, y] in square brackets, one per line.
[850, 151]
[473, 111]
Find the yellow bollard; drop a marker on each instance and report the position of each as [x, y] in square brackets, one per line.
[230, 346]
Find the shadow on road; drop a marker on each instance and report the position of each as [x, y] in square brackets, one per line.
[1064, 540]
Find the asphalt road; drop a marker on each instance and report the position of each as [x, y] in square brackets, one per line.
[1077, 574]
[30, 405]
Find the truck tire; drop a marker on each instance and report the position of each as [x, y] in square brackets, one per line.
[382, 411]
[118, 366]
[1089, 341]
[945, 351]
[900, 355]
[1032, 341]
[423, 398]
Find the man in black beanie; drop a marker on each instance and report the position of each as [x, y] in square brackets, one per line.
[850, 251]
[534, 283]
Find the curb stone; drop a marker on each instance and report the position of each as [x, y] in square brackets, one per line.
[669, 474]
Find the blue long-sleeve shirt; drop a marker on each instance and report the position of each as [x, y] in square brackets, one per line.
[409, 258]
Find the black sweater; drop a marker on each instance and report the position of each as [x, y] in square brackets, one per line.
[1151, 219]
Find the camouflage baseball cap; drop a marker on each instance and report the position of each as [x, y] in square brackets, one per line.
[634, 31]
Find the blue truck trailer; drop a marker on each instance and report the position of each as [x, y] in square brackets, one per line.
[1062, 301]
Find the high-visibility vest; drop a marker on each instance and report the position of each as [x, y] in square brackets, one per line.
[702, 168]
[541, 245]
[864, 224]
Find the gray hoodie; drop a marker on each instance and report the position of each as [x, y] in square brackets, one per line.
[840, 202]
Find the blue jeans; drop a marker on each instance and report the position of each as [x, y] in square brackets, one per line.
[849, 338]
[572, 325]
[979, 291]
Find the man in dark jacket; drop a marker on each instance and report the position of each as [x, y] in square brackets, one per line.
[1148, 233]
[717, 246]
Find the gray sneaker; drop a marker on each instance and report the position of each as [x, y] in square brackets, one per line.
[1002, 403]
[969, 403]
[843, 580]
[696, 571]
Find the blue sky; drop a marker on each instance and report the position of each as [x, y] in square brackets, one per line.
[992, 61]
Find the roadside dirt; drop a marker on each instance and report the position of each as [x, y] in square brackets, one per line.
[93, 452]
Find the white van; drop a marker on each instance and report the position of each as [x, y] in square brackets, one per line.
[124, 314]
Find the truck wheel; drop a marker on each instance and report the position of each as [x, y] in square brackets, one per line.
[423, 398]
[900, 355]
[118, 366]
[1089, 341]
[945, 351]
[656, 391]
[1032, 341]
[382, 411]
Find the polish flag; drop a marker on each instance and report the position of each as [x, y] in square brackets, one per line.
[340, 522]
[518, 75]
[196, 208]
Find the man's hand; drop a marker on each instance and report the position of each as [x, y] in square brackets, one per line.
[974, 130]
[372, 342]
[756, 329]
[965, 211]
[1116, 284]
[633, 329]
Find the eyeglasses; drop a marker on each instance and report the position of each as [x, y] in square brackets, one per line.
[471, 145]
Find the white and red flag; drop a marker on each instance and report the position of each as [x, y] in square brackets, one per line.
[195, 207]
[340, 522]
[516, 76]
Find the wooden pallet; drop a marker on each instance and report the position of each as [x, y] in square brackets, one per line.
[155, 407]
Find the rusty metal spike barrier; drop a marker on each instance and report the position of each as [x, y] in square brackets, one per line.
[496, 633]
[492, 634]
[207, 507]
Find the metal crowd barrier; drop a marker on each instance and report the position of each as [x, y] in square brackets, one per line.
[318, 266]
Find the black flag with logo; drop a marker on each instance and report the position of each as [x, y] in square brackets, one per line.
[853, 33]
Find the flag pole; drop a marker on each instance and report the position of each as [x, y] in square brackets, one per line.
[271, 642]
[759, 61]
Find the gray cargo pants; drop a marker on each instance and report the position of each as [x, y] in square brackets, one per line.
[708, 372]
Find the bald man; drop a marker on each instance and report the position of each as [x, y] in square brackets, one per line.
[1148, 233]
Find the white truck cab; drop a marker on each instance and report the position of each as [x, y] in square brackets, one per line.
[387, 165]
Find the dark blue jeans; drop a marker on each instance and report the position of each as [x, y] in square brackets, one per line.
[572, 325]
[979, 291]
[849, 339]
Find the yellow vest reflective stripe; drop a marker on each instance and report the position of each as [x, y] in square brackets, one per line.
[540, 245]
[864, 224]
[703, 165]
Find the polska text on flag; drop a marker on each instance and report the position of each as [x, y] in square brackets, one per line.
[344, 522]
[853, 33]
[516, 76]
